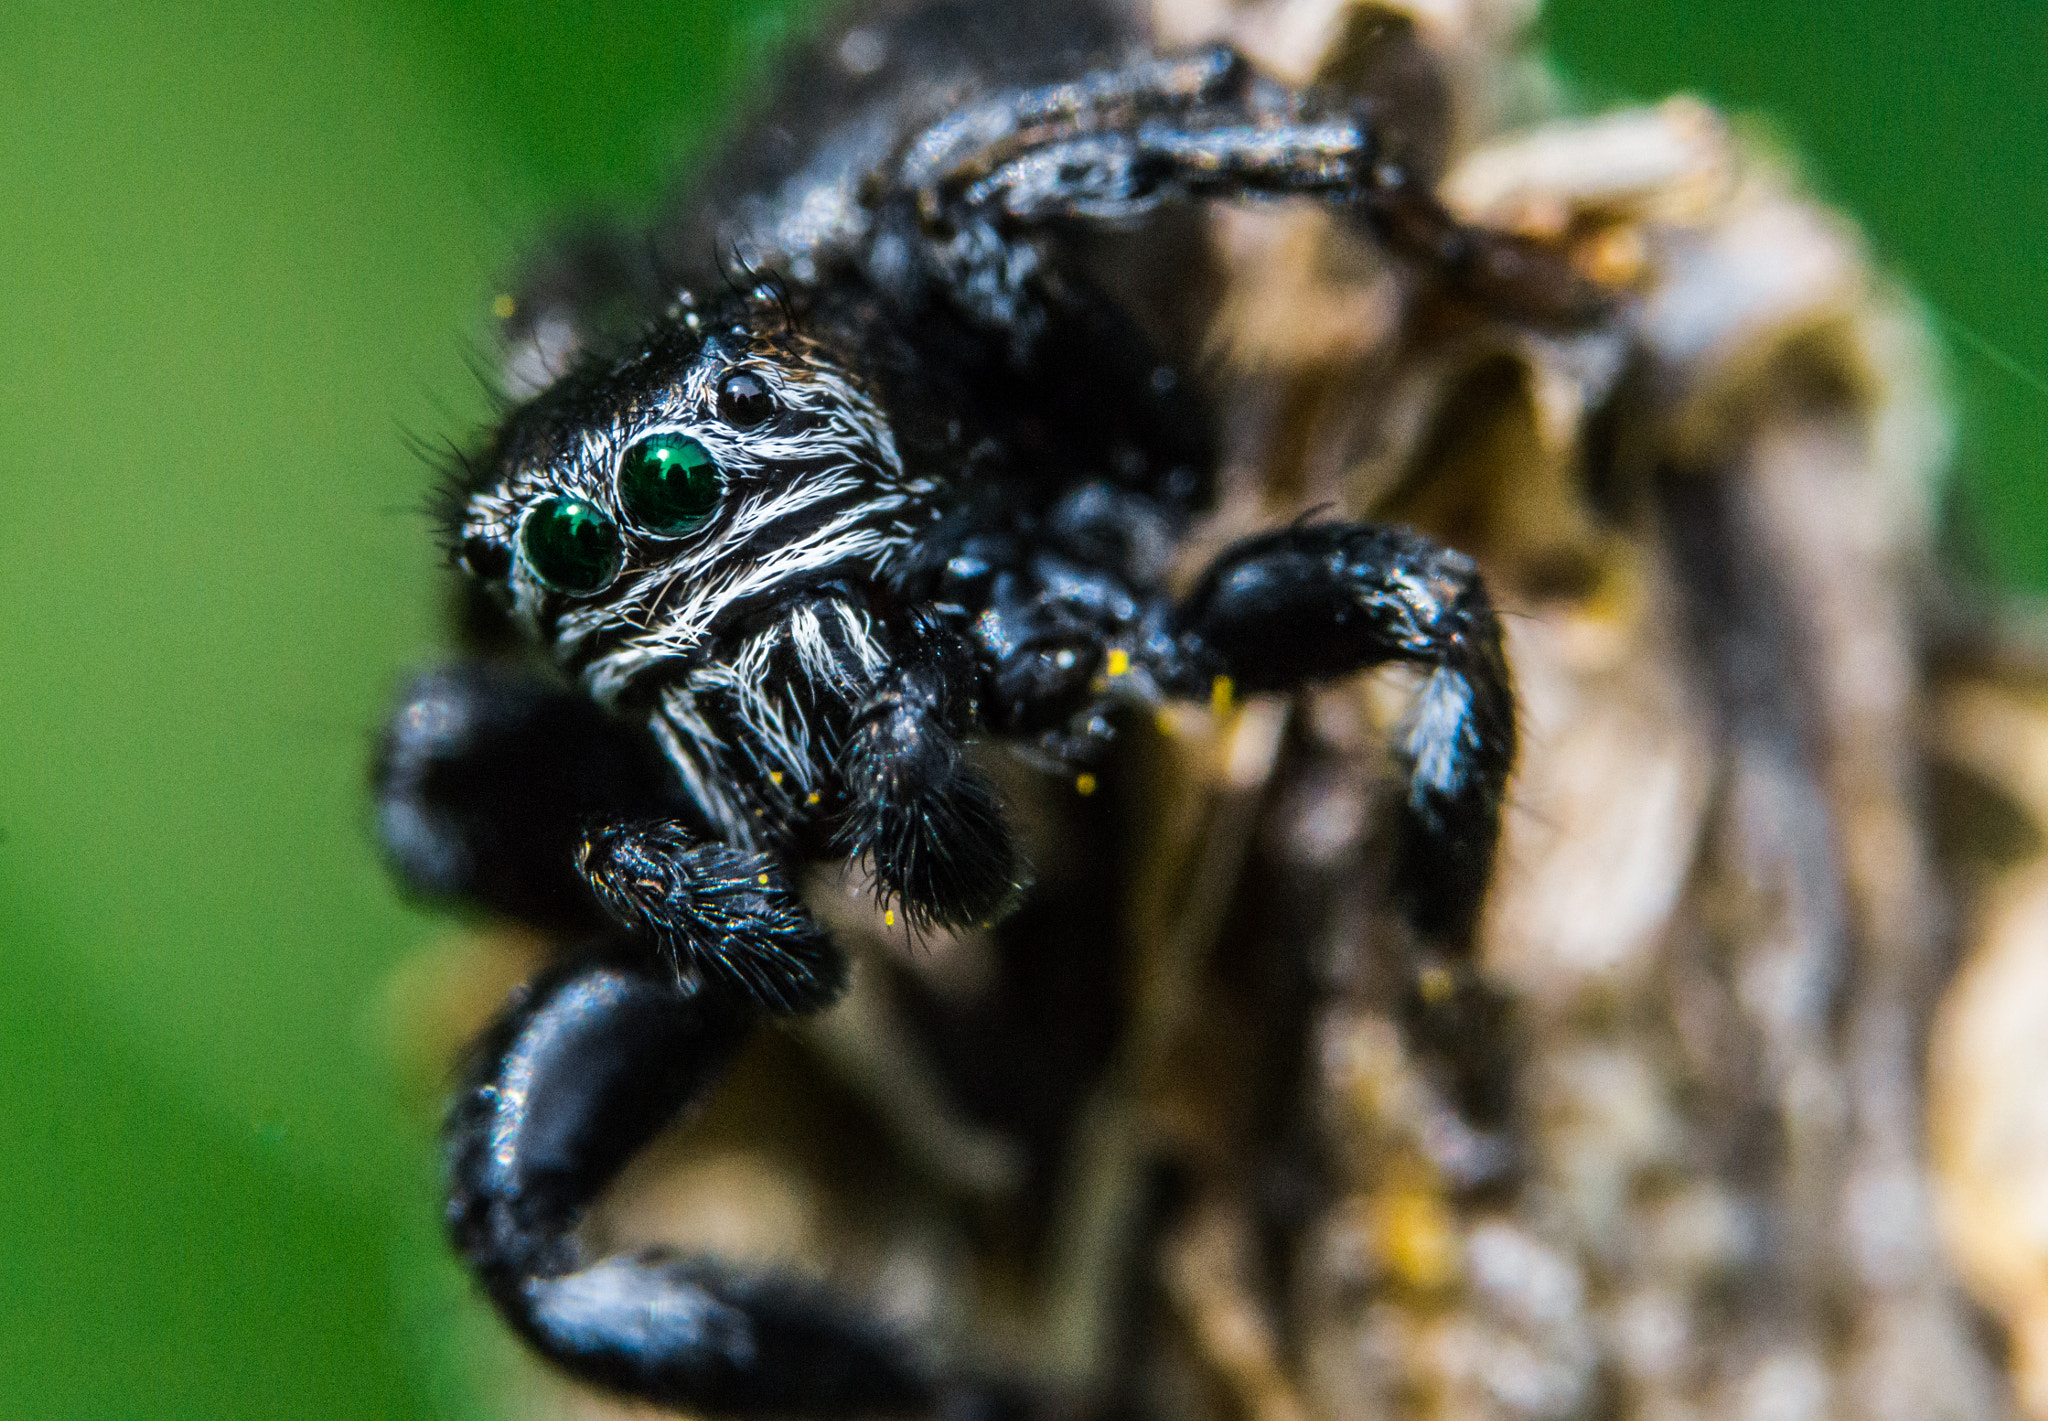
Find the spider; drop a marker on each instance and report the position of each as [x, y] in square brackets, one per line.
[789, 541]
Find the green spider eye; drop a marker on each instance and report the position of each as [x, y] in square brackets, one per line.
[668, 484]
[570, 545]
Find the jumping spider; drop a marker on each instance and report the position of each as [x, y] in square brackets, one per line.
[791, 539]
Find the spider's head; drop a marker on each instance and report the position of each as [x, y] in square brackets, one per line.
[640, 506]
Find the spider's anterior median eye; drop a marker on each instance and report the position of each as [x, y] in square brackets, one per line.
[570, 545]
[668, 484]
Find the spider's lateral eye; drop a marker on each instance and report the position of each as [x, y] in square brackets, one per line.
[570, 545]
[669, 484]
[743, 401]
[485, 559]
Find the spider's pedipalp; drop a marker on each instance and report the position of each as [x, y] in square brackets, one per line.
[720, 915]
[929, 824]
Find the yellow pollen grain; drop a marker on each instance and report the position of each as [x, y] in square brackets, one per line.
[1616, 257]
[775, 777]
[1222, 691]
[1084, 784]
[1119, 661]
[889, 918]
[762, 880]
[503, 306]
[1417, 1238]
[811, 798]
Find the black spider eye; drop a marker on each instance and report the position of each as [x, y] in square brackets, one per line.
[743, 400]
[669, 484]
[570, 545]
[485, 559]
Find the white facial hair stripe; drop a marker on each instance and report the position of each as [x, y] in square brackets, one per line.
[695, 751]
[850, 538]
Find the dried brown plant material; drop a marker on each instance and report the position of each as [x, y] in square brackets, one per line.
[1717, 924]
[1987, 1112]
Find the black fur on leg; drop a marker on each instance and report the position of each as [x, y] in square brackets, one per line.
[1311, 602]
[582, 1073]
[483, 780]
[928, 822]
[718, 914]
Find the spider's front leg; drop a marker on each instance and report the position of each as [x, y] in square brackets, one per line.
[498, 789]
[1312, 602]
[485, 780]
[488, 783]
[568, 1087]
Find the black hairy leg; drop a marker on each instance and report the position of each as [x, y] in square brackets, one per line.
[1059, 602]
[1119, 143]
[1315, 601]
[927, 822]
[572, 1083]
[722, 915]
[485, 778]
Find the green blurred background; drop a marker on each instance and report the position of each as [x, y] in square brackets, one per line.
[246, 249]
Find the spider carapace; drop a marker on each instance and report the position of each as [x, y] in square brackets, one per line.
[849, 459]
